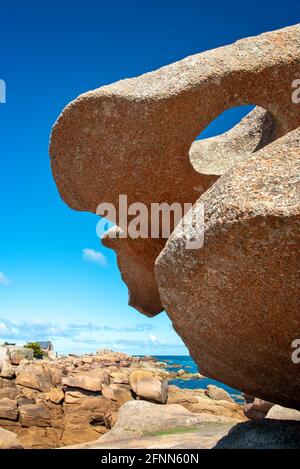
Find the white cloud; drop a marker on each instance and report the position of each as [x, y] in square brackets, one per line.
[153, 338]
[3, 279]
[97, 257]
[88, 337]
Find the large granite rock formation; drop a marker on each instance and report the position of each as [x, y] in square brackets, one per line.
[144, 127]
[235, 302]
[241, 290]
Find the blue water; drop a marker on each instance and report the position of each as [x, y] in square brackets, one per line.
[187, 363]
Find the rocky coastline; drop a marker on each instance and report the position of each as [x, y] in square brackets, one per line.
[114, 400]
[77, 399]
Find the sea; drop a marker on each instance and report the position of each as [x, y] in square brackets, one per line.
[185, 362]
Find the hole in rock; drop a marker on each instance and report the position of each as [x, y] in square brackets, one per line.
[97, 420]
[233, 135]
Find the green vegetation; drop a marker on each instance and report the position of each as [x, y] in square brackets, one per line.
[37, 351]
[174, 431]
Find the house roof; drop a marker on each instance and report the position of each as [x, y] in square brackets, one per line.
[44, 344]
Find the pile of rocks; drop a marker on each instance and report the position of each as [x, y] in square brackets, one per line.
[76, 399]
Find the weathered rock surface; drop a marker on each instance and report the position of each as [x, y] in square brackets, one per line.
[67, 415]
[204, 436]
[56, 395]
[217, 155]
[7, 383]
[262, 434]
[218, 394]
[35, 415]
[9, 440]
[8, 409]
[40, 437]
[238, 311]
[11, 393]
[197, 401]
[76, 395]
[117, 393]
[7, 371]
[41, 377]
[149, 124]
[137, 418]
[84, 422]
[255, 408]
[81, 433]
[17, 354]
[145, 385]
[87, 382]
[282, 413]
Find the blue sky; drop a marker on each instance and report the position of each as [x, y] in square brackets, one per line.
[53, 284]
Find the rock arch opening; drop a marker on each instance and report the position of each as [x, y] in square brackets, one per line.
[230, 137]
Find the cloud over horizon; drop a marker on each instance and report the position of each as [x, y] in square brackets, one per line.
[88, 337]
[90, 255]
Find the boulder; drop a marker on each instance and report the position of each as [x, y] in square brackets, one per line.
[88, 382]
[149, 123]
[88, 360]
[120, 377]
[90, 407]
[117, 393]
[11, 425]
[217, 407]
[262, 434]
[76, 395]
[82, 434]
[241, 273]
[218, 394]
[40, 438]
[197, 401]
[282, 413]
[255, 408]
[27, 393]
[7, 371]
[35, 415]
[55, 411]
[55, 372]
[8, 409]
[56, 395]
[137, 418]
[9, 440]
[24, 401]
[35, 376]
[84, 422]
[17, 354]
[11, 393]
[145, 385]
[7, 383]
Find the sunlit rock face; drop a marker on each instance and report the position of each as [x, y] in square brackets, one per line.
[235, 302]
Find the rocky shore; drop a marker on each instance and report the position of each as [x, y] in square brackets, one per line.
[77, 399]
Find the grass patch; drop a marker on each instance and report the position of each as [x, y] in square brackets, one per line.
[173, 431]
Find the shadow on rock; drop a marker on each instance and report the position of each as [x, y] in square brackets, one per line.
[262, 434]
